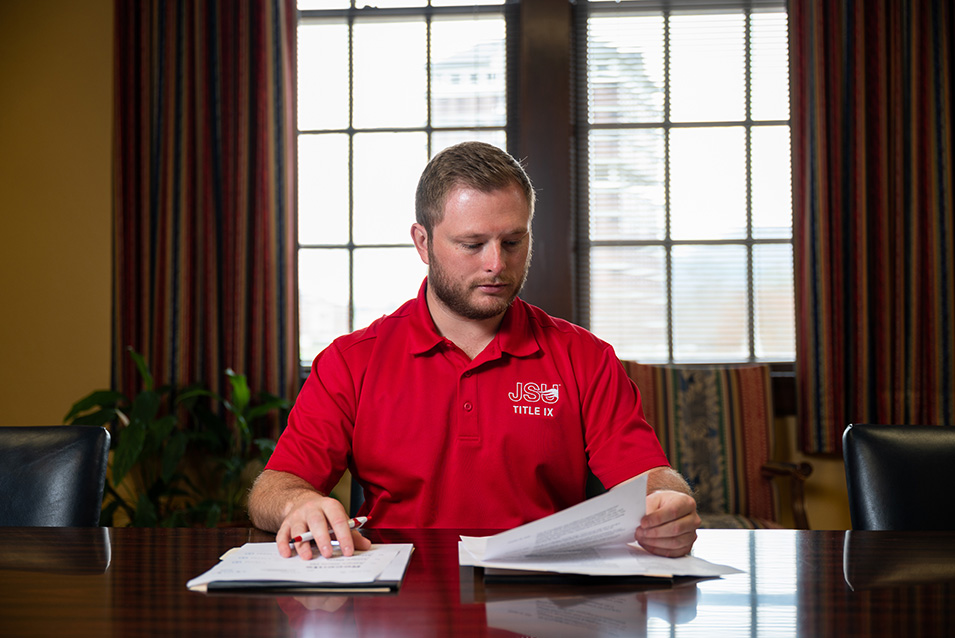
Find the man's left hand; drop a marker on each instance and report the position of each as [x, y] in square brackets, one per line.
[670, 524]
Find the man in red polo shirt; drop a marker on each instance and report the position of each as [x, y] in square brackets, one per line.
[466, 407]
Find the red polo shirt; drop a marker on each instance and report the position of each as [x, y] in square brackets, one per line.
[439, 440]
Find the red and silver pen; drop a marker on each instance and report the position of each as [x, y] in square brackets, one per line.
[353, 523]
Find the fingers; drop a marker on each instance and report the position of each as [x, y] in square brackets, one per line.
[361, 543]
[317, 522]
[282, 539]
[338, 522]
[670, 524]
[323, 517]
[669, 546]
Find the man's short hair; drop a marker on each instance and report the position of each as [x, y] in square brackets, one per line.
[477, 165]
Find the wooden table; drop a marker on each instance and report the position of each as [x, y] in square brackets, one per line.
[131, 582]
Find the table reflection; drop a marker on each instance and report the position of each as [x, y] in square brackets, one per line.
[542, 611]
[61, 550]
[760, 600]
[610, 615]
[879, 559]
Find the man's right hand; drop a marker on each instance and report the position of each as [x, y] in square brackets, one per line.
[317, 514]
[290, 506]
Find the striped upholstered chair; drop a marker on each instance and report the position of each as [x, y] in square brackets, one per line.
[716, 426]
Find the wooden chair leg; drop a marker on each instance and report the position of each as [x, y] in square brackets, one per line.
[797, 474]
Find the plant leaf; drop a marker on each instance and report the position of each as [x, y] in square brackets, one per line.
[163, 428]
[242, 428]
[98, 398]
[266, 447]
[194, 393]
[177, 518]
[241, 395]
[258, 412]
[210, 431]
[213, 515]
[172, 454]
[128, 450]
[145, 406]
[268, 397]
[141, 366]
[145, 513]
[100, 417]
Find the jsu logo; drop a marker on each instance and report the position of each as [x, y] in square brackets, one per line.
[535, 393]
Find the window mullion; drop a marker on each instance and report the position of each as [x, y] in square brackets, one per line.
[667, 238]
[351, 171]
[748, 158]
[584, 244]
[427, 85]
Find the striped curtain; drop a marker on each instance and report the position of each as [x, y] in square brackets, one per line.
[873, 222]
[204, 229]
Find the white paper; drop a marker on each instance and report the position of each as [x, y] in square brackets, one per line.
[594, 538]
[605, 560]
[610, 518]
[262, 562]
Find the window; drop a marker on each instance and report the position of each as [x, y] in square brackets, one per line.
[380, 90]
[685, 229]
[682, 216]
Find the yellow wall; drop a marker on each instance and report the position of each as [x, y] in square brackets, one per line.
[55, 264]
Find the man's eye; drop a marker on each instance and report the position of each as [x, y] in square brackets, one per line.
[471, 246]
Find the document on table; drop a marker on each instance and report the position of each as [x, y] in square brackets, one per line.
[260, 566]
[592, 538]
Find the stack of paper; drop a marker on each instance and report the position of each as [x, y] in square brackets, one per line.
[259, 566]
[593, 538]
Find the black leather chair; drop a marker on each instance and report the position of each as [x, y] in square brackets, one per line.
[898, 476]
[52, 476]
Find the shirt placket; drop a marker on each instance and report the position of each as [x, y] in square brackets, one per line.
[467, 407]
[464, 410]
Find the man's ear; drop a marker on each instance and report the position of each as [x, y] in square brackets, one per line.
[420, 238]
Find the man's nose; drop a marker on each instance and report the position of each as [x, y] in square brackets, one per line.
[493, 257]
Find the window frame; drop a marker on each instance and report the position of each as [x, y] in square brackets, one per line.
[349, 16]
[542, 131]
[583, 126]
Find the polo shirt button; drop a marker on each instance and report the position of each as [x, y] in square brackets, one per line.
[467, 406]
[467, 374]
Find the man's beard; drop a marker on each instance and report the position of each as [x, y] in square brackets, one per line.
[456, 295]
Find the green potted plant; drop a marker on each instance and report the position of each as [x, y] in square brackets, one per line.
[226, 439]
[180, 456]
[148, 444]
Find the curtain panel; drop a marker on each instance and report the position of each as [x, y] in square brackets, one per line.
[204, 227]
[872, 214]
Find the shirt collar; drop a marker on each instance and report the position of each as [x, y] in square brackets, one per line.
[514, 337]
[424, 334]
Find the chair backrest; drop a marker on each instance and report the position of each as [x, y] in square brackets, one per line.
[52, 476]
[716, 427]
[897, 476]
